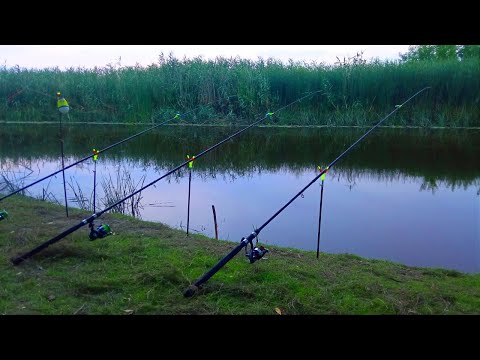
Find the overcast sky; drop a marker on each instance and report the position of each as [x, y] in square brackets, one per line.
[88, 56]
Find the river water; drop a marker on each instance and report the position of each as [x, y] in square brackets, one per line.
[406, 195]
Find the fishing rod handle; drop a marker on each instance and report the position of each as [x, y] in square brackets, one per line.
[21, 258]
[192, 289]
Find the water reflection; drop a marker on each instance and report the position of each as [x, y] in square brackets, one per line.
[410, 196]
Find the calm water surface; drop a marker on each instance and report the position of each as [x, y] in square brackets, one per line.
[410, 196]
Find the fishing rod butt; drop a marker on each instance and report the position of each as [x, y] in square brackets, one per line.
[191, 290]
[17, 260]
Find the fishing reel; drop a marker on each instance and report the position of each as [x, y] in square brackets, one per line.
[256, 252]
[100, 232]
[3, 214]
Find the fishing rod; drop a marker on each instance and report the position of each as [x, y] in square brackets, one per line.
[104, 230]
[107, 148]
[257, 252]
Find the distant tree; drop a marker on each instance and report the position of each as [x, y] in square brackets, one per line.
[446, 52]
[440, 52]
[418, 53]
[469, 51]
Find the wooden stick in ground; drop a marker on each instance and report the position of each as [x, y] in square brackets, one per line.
[215, 222]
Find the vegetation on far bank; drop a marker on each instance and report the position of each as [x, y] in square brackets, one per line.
[354, 92]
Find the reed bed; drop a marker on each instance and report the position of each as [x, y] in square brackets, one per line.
[353, 94]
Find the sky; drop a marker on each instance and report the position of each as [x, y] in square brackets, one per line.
[89, 56]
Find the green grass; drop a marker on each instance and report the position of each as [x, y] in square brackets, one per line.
[145, 267]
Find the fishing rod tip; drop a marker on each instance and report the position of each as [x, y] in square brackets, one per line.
[191, 290]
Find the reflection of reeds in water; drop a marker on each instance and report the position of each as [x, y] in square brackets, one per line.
[123, 187]
[429, 183]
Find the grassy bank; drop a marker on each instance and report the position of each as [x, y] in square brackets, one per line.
[145, 267]
[244, 90]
